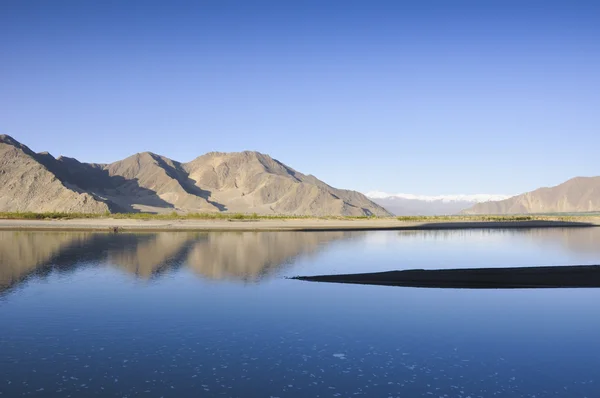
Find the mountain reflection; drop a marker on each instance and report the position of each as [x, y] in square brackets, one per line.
[228, 255]
[238, 256]
[251, 255]
[22, 253]
[576, 240]
[151, 254]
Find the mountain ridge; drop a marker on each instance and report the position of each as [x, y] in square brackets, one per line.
[576, 195]
[247, 181]
[445, 198]
[427, 205]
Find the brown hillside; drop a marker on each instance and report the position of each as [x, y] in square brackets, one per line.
[580, 194]
[27, 185]
[246, 182]
[255, 182]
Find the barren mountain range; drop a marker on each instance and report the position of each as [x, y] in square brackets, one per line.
[577, 195]
[423, 205]
[580, 194]
[244, 182]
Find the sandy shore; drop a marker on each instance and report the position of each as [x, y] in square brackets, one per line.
[124, 225]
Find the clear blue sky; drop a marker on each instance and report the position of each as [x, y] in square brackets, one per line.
[426, 97]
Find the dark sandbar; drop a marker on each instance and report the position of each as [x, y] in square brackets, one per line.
[577, 276]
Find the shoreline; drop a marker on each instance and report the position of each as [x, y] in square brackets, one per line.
[299, 225]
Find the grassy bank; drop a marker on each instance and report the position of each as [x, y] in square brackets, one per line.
[164, 216]
[477, 218]
[136, 216]
[499, 218]
[254, 216]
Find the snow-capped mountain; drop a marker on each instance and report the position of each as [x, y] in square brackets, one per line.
[409, 204]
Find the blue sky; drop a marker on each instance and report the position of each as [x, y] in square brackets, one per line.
[426, 97]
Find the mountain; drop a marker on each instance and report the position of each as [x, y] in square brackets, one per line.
[247, 182]
[421, 205]
[251, 181]
[26, 184]
[580, 194]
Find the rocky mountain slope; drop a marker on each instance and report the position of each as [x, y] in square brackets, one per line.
[580, 194]
[244, 182]
[27, 185]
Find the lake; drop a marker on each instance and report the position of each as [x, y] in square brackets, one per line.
[211, 314]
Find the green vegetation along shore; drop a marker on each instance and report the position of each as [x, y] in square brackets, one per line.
[241, 222]
[254, 216]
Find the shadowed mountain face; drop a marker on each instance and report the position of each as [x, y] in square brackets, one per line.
[27, 184]
[243, 256]
[245, 182]
[580, 194]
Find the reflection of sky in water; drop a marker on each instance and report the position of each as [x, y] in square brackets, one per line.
[96, 329]
[384, 251]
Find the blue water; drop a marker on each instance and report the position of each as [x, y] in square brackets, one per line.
[203, 315]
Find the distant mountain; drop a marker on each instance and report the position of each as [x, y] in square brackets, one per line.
[580, 194]
[245, 182]
[412, 205]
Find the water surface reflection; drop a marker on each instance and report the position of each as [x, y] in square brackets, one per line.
[252, 256]
[245, 256]
[180, 314]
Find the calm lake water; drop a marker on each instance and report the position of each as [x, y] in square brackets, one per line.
[203, 315]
